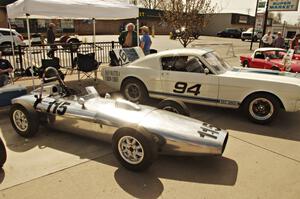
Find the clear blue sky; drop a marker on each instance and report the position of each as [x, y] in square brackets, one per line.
[248, 6]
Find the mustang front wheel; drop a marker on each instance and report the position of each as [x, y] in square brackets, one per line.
[134, 90]
[135, 151]
[24, 122]
[261, 108]
[2, 153]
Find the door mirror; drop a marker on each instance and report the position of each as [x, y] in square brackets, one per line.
[206, 71]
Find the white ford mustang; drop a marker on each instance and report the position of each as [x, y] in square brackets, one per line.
[200, 76]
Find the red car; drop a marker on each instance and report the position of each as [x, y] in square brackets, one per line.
[270, 58]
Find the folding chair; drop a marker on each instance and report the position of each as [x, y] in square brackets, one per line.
[87, 64]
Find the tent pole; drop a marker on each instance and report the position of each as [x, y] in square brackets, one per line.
[94, 34]
[29, 49]
[138, 31]
[12, 45]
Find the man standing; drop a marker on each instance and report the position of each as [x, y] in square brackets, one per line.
[267, 40]
[145, 40]
[128, 38]
[51, 40]
[5, 69]
[295, 42]
[279, 41]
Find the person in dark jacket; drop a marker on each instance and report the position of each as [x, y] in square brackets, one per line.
[128, 38]
[5, 69]
[279, 41]
[51, 40]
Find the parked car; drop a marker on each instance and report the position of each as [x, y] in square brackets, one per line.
[271, 58]
[180, 32]
[6, 39]
[200, 76]
[247, 35]
[2, 153]
[230, 32]
[137, 132]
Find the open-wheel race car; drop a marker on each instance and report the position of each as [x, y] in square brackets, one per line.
[137, 132]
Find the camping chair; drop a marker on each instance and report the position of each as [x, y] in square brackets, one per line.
[54, 62]
[87, 64]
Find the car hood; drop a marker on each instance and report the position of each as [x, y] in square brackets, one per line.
[263, 75]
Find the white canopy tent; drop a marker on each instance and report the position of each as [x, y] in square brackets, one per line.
[72, 9]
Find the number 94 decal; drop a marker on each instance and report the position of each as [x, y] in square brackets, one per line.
[182, 87]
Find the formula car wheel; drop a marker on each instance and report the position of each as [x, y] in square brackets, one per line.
[2, 153]
[174, 106]
[261, 108]
[134, 90]
[134, 150]
[245, 64]
[24, 122]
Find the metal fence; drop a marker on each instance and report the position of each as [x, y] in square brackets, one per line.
[65, 52]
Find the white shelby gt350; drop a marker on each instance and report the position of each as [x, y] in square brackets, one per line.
[200, 76]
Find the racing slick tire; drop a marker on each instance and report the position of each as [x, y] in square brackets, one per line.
[2, 153]
[174, 106]
[134, 150]
[245, 64]
[25, 123]
[261, 108]
[134, 90]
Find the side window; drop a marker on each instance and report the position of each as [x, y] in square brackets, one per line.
[259, 55]
[6, 33]
[183, 64]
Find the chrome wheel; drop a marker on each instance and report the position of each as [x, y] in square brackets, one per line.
[131, 150]
[132, 92]
[20, 120]
[171, 109]
[261, 109]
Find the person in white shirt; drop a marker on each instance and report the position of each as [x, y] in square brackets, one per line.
[267, 40]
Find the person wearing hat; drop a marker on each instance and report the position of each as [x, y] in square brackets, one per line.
[145, 40]
[51, 40]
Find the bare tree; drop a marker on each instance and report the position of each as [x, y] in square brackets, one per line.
[151, 4]
[187, 17]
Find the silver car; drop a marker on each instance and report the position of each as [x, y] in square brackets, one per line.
[138, 133]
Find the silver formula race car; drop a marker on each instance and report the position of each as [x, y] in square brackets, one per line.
[137, 132]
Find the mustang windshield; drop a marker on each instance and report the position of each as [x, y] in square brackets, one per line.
[216, 63]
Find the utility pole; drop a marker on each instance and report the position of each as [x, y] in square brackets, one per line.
[257, 1]
[265, 20]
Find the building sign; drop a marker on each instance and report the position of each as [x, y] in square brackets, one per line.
[261, 6]
[283, 5]
[259, 24]
[243, 19]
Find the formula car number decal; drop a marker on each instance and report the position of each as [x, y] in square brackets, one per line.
[182, 87]
[59, 108]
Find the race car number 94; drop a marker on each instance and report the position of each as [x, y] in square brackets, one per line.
[182, 87]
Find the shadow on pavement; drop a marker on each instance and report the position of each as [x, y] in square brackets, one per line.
[2, 175]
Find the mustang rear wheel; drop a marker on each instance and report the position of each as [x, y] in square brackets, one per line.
[134, 150]
[174, 106]
[2, 154]
[134, 90]
[24, 122]
[261, 108]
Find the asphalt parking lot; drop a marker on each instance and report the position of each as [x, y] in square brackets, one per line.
[259, 161]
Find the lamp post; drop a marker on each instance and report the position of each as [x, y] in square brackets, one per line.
[254, 25]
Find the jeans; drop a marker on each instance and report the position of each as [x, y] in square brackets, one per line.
[3, 79]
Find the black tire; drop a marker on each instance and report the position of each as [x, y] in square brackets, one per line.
[261, 108]
[32, 119]
[255, 39]
[275, 68]
[174, 106]
[148, 149]
[2, 153]
[134, 90]
[245, 64]
[243, 39]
